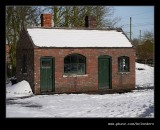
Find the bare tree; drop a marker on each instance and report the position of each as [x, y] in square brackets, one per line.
[74, 15]
[16, 18]
[148, 35]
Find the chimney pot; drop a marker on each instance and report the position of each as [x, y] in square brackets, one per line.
[90, 22]
[46, 20]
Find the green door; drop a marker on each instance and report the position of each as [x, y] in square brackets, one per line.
[104, 72]
[47, 74]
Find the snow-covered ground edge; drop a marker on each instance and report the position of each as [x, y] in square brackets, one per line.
[144, 76]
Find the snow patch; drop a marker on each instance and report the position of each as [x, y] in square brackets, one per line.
[18, 90]
[144, 76]
[139, 103]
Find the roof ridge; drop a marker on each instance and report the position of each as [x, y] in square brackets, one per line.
[80, 28]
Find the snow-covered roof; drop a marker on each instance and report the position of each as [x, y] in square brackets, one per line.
[78, 38]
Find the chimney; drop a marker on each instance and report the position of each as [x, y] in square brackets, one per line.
[46, 20]
[90, 22]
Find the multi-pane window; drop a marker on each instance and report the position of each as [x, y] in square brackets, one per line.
[74, 64]
[123, 64]
[24, 64]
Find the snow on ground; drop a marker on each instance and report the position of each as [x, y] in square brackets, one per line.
[20, 89]
[144, 75]
[139, 103]
[136, 104]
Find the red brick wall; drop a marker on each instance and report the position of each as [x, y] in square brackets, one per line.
[88, 82]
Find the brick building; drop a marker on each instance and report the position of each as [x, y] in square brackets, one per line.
[64, 60]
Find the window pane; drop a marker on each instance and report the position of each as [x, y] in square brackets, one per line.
[67, 59]
[74, 59]
[81, 59]
[127, 64]
[81, 68]
[46, 64]
[66, 68]
[73, 67]
[123, 64]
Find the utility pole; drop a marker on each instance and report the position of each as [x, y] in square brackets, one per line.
[130, 28]
[140, 35]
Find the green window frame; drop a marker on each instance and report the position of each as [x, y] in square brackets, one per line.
[74, 64]
[123, 64]
[24, 64]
